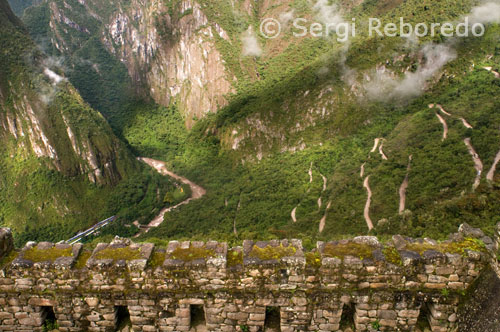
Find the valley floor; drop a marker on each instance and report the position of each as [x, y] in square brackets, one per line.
[197, 192]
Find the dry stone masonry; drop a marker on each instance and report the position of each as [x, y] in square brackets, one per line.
[377, 287]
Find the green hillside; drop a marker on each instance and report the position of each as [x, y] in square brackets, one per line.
[439, 196]
[50, 140]
[303, 118]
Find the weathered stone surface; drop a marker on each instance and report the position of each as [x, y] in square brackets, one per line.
[310, 295]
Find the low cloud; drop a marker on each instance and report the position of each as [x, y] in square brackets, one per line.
[286, 17]
[251, 45]
[328, 14]
[386, 86]
[53, 76]
[47, 92]
[488, 12]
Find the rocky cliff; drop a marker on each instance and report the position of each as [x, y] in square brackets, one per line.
[42, 115]
[173, 51]
[168, 47]
[60, 161]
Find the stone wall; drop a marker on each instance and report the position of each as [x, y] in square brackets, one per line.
[6, 242]
[386, 287]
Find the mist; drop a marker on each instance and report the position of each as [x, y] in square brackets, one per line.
[251, 45]
[328, 14]
[286, 17]
[53, 76]
[488, 12]
[387, 86]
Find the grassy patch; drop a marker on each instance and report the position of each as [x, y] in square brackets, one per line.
[82, 259]
[37, 255]
[8, 259]
[313, 259]
[452, 248]
[192, 254]
[392, 256]
[361, 251]
[157, 259]
[119, 253]
[234, 257]
[270, 252]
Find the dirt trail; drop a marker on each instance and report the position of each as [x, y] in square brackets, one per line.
[196, 191]
[310, 173]
[294, 211]
[381, 151]
[464, 122]
[375, 145]
[322, 222]
[325, 182]
[368, 220]
[294, 217]
[380, 148]
[404, 186]
[362, 171]
[477, 162]
[442, 109]
[445, 126]
[235, 230]
[490, 69]
[491, 173]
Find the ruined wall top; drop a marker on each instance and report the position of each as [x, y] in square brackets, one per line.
[388, 285]
[358, 263]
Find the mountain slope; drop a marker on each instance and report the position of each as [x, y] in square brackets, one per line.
[320, 116]
[61, 165]
[293, 154]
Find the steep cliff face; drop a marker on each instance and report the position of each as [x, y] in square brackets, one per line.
[66, 134]
[172, 50]
[168, 47]
[56, 153]
[43, 116]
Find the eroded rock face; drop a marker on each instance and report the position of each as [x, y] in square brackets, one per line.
[175, 58]
[51, 133]
[6, 242]
[44, 119]
[169, 48]
[481, 312]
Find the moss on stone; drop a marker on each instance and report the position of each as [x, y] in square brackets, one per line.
[82, 259]
[157, 259]
[313, 259]
[467, 244]
[126, 253]
[191, 254]
[270, 252]
[234, 257]
[359, 250]
[42, 255]
[392, 256]
[452, 248]
[8, 258]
